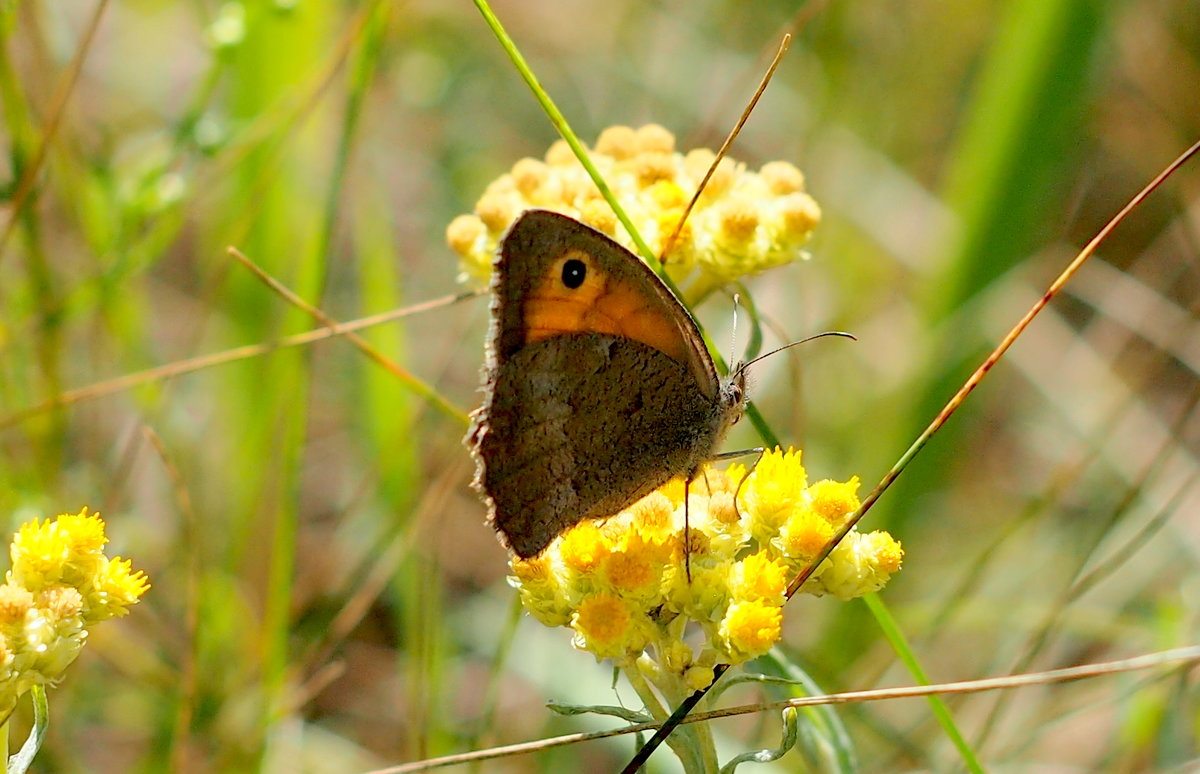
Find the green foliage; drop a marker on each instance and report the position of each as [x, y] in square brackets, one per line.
[325, 594]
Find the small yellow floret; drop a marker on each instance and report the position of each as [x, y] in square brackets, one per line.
[886, 552]
[597, 214]
[805, 535]
[620, 142]
[653, 168]
[653, 515]
[722, 509]
[529, 175]
[115, 587]
[800, 214]
[15, 603]
[653, 138]
[739, 221]
[464, 234]
[835, 500]
[83, 532]
[763, 578]
[698, 678]
[782, 177]
[583, 547]
[682, 247]
[559, 154]
[722, 180]
[778, 480]
[60, 602]
[749, 629]
[602, 618]
[603, 625]
[858, 565]
[498, 210]
[632, 572]
[534, 570]
[774, 491]
[541, 593]
[668, 195]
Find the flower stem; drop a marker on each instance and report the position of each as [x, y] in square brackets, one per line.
[687, 745]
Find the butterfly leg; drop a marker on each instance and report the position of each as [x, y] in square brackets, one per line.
[729, 455]
[761, 451]
[687, 537]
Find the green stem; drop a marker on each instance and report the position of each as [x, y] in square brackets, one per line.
[940, 711]
[20, 763]
[564, 129]
[688, 745]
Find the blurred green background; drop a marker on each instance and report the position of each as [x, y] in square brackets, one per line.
[326, 596]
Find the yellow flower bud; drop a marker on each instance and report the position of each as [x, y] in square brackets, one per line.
[782, 177]
[749, 629]
[652, 169]
[744, 222]
[559, 154]
[583, 547]
[620, 142]
[800, 214]
[15, 603]
[760, 577]
[834, 500]
[498, 210]
[605, 626]
[633, 572]
[597, 214]
[698, 678]
[653, 138]
[529, 175]
[739, 223]
[804, 535]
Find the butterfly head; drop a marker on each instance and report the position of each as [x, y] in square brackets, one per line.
[732, 395]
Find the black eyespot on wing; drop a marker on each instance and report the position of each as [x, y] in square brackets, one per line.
[574, 272]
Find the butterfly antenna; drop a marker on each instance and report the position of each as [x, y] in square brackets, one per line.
[737, 302]
[839, 334]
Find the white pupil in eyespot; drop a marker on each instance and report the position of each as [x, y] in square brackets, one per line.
[573, 273]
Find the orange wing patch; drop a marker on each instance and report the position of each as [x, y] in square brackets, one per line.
[601, 304]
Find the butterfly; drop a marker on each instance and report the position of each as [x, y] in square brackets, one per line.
[597, 386]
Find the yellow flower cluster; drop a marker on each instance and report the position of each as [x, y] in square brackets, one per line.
[743, 223]
[622, 584]
[60, 584]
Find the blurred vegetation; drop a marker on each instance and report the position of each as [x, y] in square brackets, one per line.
[326, 597]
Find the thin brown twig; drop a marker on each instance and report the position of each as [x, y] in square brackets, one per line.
[725, 146]
[1185, 656]
[991, 360]
[364, 346]
[681, 712]
[182, 367]
[58, 106]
